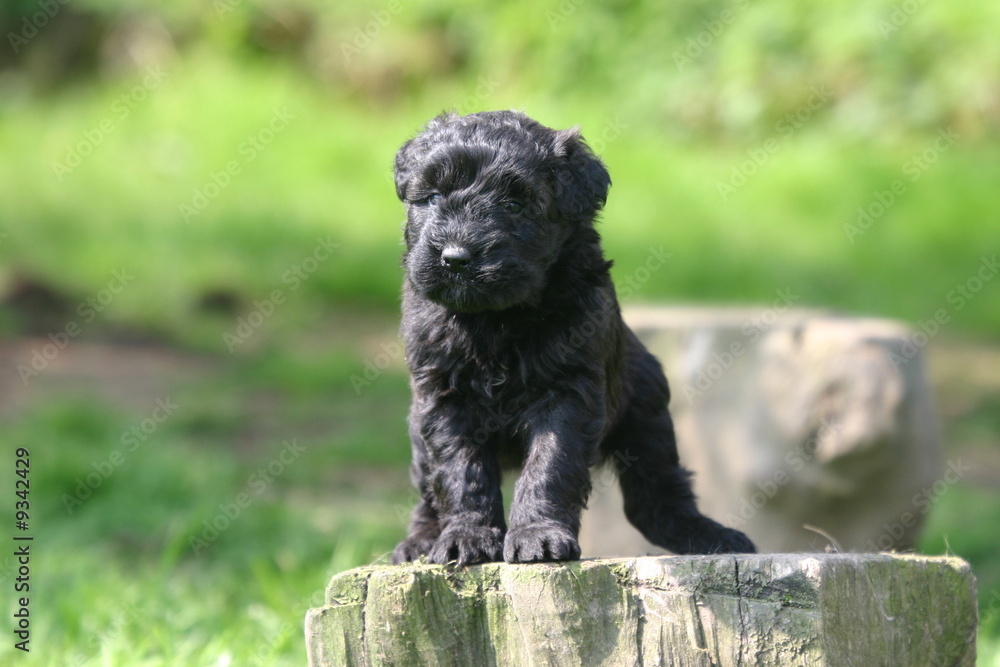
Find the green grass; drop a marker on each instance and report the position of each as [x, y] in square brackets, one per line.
[202, 539]
[955, 526]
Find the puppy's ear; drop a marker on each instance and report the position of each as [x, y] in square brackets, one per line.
[402, 169]
[582, 181]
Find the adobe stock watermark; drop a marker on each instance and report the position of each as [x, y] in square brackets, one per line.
[248, 150]
[628, 285]
[900, 15]
[751, 330]
[611, 131]
[265, 649]
[957, 298]
[991, 610]
[922, 502]
[914, 167]
[711, 31]
[598, 142]
[292, 278]
[784, 128]
[404, 513]
[8, 568]
[608, 474]
[121, 108]
[223, 7]
[794, 462]
[602, 476]
[256, 484]
[485, 86]
[32, 24]
[495, 420]
[655, 603]
[375, 366]
[88, 310]
[130, 441]
[596, 319]
[365, 35]
[558, 16]
[127, 613]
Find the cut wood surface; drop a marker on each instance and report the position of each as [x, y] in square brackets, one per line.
[768, 609]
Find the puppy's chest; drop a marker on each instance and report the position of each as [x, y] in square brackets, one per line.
[491, 367]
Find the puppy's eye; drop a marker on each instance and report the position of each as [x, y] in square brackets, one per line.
[433, 199]
[513, 206]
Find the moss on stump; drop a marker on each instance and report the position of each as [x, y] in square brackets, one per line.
[770, 609]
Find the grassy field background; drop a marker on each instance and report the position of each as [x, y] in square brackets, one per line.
[196, 210]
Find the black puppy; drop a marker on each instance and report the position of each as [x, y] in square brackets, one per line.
[518, 354]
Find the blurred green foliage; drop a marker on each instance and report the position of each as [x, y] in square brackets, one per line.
[758, 143]
[232, 158]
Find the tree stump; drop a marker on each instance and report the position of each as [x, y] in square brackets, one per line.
[777, 609]
[790, 417]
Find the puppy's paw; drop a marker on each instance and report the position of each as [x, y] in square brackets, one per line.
[731, 541]
[412, 548]
[466, 545]
[701, 535]
[540, 542]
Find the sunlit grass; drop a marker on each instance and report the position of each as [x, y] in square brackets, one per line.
[321, 183]
[212, 535]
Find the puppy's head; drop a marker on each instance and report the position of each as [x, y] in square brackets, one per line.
[491, 199]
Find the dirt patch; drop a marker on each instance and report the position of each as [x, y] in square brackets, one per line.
[33, 370]
[965, 377]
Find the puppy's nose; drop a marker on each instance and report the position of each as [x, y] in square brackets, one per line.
[455, 257]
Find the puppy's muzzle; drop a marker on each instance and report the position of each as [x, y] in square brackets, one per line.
[455, 258]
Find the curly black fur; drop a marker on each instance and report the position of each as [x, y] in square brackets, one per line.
[518, 354]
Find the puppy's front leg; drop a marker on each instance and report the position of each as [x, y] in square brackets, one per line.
[464, 485]
[550, 495]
